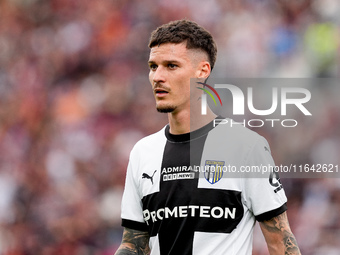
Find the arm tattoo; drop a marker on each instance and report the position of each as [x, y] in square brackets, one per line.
[279, 224]
[134, 243]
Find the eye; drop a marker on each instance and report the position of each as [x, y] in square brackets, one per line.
[153, 67]
[172, 66]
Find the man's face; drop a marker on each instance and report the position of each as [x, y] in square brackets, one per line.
[171, 67]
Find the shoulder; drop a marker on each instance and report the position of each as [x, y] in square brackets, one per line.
[152, 139]
[236, 132]
[150, 142]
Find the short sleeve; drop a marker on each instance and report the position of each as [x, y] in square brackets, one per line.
[132, 212]
[264, 193]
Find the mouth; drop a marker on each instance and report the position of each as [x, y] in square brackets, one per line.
[160, 92]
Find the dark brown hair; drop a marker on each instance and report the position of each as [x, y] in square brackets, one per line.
[178, 31]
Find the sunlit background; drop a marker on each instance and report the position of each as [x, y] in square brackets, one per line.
[75, 97]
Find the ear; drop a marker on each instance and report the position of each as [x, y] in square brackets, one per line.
[203, 70]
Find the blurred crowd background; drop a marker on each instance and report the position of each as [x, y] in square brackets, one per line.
[75, 97]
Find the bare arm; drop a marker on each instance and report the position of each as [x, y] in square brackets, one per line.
[279, 237]
[134, 243]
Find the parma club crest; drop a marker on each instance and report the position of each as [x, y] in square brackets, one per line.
[213, 170]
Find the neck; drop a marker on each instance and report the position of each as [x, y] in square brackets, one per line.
[185, 121]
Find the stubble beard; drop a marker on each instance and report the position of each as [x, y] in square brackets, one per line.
[166, 108]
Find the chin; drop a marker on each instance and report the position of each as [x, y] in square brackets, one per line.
[165, 108]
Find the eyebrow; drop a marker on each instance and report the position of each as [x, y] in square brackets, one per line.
[165, 61]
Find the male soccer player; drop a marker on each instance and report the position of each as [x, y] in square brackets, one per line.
[170, 205]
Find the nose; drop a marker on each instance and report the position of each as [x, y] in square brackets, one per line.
[157, 75]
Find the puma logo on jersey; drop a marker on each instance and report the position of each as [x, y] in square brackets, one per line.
[145, 175]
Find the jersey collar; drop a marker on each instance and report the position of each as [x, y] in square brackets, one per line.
[189, 136]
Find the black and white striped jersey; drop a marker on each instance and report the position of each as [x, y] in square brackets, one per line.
[181, 190]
